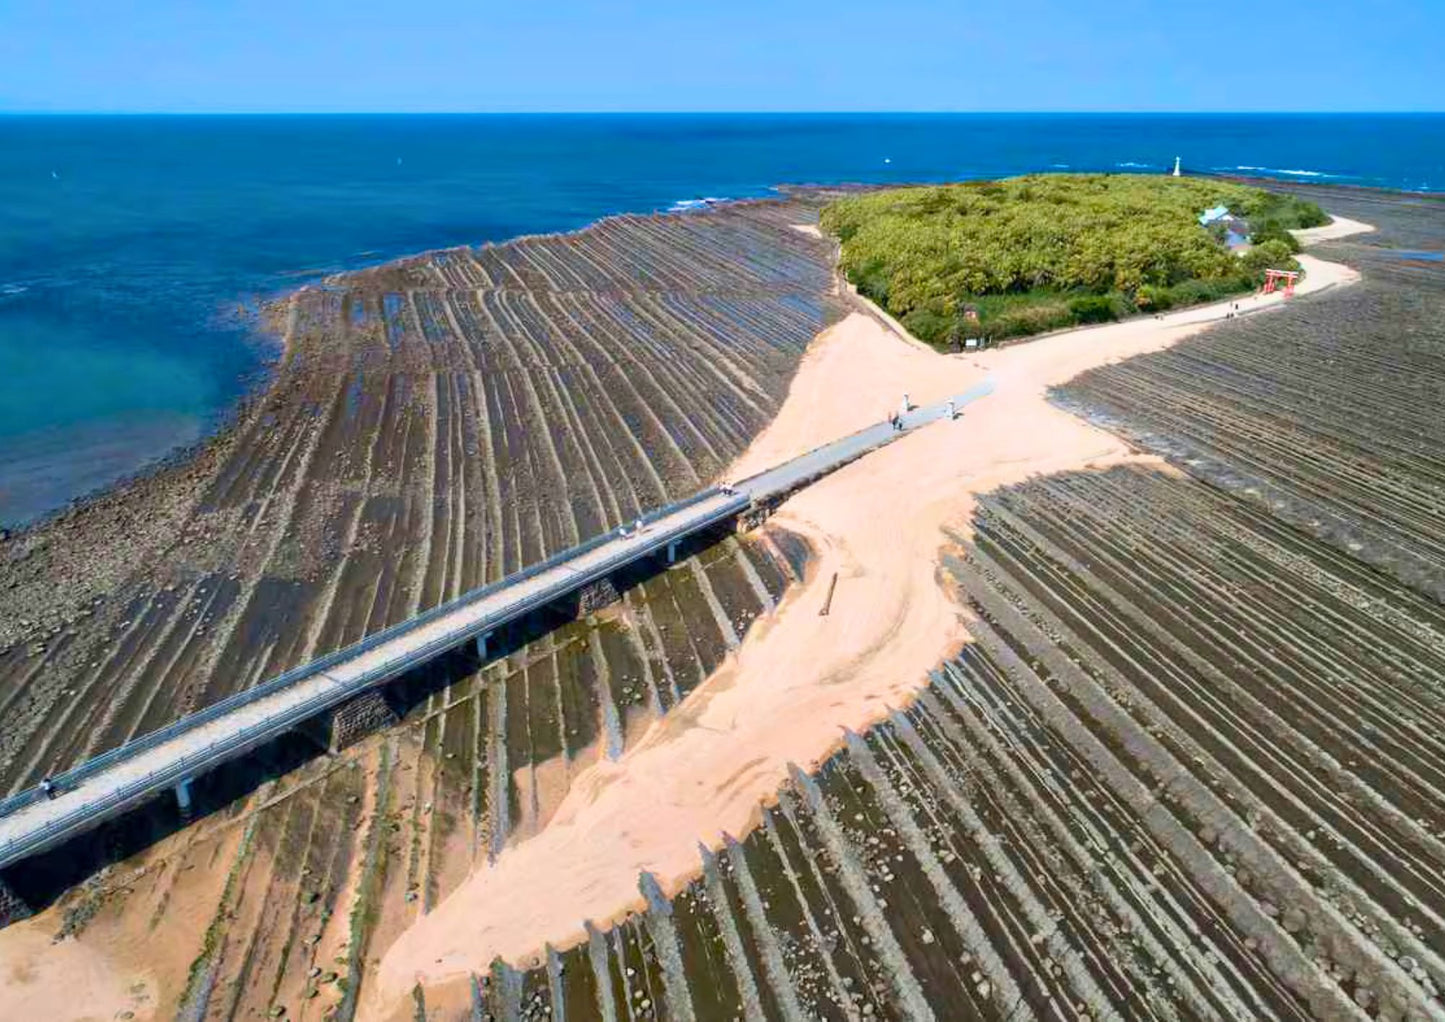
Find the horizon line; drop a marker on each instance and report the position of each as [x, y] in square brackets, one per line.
[81, 112]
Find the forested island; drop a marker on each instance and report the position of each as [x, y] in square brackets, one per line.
[1009, 258]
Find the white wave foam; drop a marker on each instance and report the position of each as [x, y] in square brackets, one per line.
[683, 205]
[1131, 163]
[1279, 170]
[11, 290]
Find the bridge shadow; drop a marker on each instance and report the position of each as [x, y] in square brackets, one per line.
[42, 880]
[412, 691]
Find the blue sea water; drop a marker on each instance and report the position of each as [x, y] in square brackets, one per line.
[129, 245]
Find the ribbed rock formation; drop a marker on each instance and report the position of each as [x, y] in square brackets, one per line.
[435, 424]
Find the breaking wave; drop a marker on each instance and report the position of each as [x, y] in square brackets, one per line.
[1278, 170]
[684, 205]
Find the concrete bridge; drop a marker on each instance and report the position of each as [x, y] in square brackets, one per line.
[346, 684]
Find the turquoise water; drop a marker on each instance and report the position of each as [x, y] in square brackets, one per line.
[128, 243]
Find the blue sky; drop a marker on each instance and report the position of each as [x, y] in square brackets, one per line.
[484, 55]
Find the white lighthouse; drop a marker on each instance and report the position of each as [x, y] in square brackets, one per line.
[1176, 166]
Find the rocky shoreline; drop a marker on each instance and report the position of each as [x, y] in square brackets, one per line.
[368, 438]
[99, 532]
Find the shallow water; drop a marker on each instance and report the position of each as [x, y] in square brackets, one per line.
[128, 245]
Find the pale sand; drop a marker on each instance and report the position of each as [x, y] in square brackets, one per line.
[67, 981]
[135, 953]
[799, 679]
[1339, 227]
[811, 230]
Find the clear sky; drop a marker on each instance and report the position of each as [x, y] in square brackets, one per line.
[605, 55]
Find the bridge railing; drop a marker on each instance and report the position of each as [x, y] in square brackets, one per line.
[311, 668]
[833, 454]
[91, 767]
[213, 752]
[820, 459]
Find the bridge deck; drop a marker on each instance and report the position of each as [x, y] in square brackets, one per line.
[112, 783]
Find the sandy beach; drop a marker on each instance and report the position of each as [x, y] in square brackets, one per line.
[801, 681]
[45, 979]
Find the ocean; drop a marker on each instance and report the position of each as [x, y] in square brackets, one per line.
[135, 249]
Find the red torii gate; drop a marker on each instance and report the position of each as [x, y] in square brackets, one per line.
[1273, 278]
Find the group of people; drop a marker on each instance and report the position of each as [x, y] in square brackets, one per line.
[895, 419]
[627, 533]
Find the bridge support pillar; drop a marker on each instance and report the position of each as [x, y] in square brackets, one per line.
[356, 718]
[672, 552]
[12, 906]
[183, 798]
[753, 517]
[595, 595]
[482, 646]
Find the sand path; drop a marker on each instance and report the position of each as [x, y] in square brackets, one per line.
[1339, 227]
[799, 680]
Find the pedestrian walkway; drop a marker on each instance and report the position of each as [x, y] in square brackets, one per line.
[110, 784]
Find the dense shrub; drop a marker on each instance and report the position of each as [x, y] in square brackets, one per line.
[1092, 309]
[1289, 211]
[1193, 292]
[1308, 214]
[1154, 298]
[1269, 255]
[1040, 252]
[1271, 230]
[932, 326]
[871, 279]
[1024, 319]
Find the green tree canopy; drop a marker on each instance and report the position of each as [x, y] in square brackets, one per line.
[924, 252]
